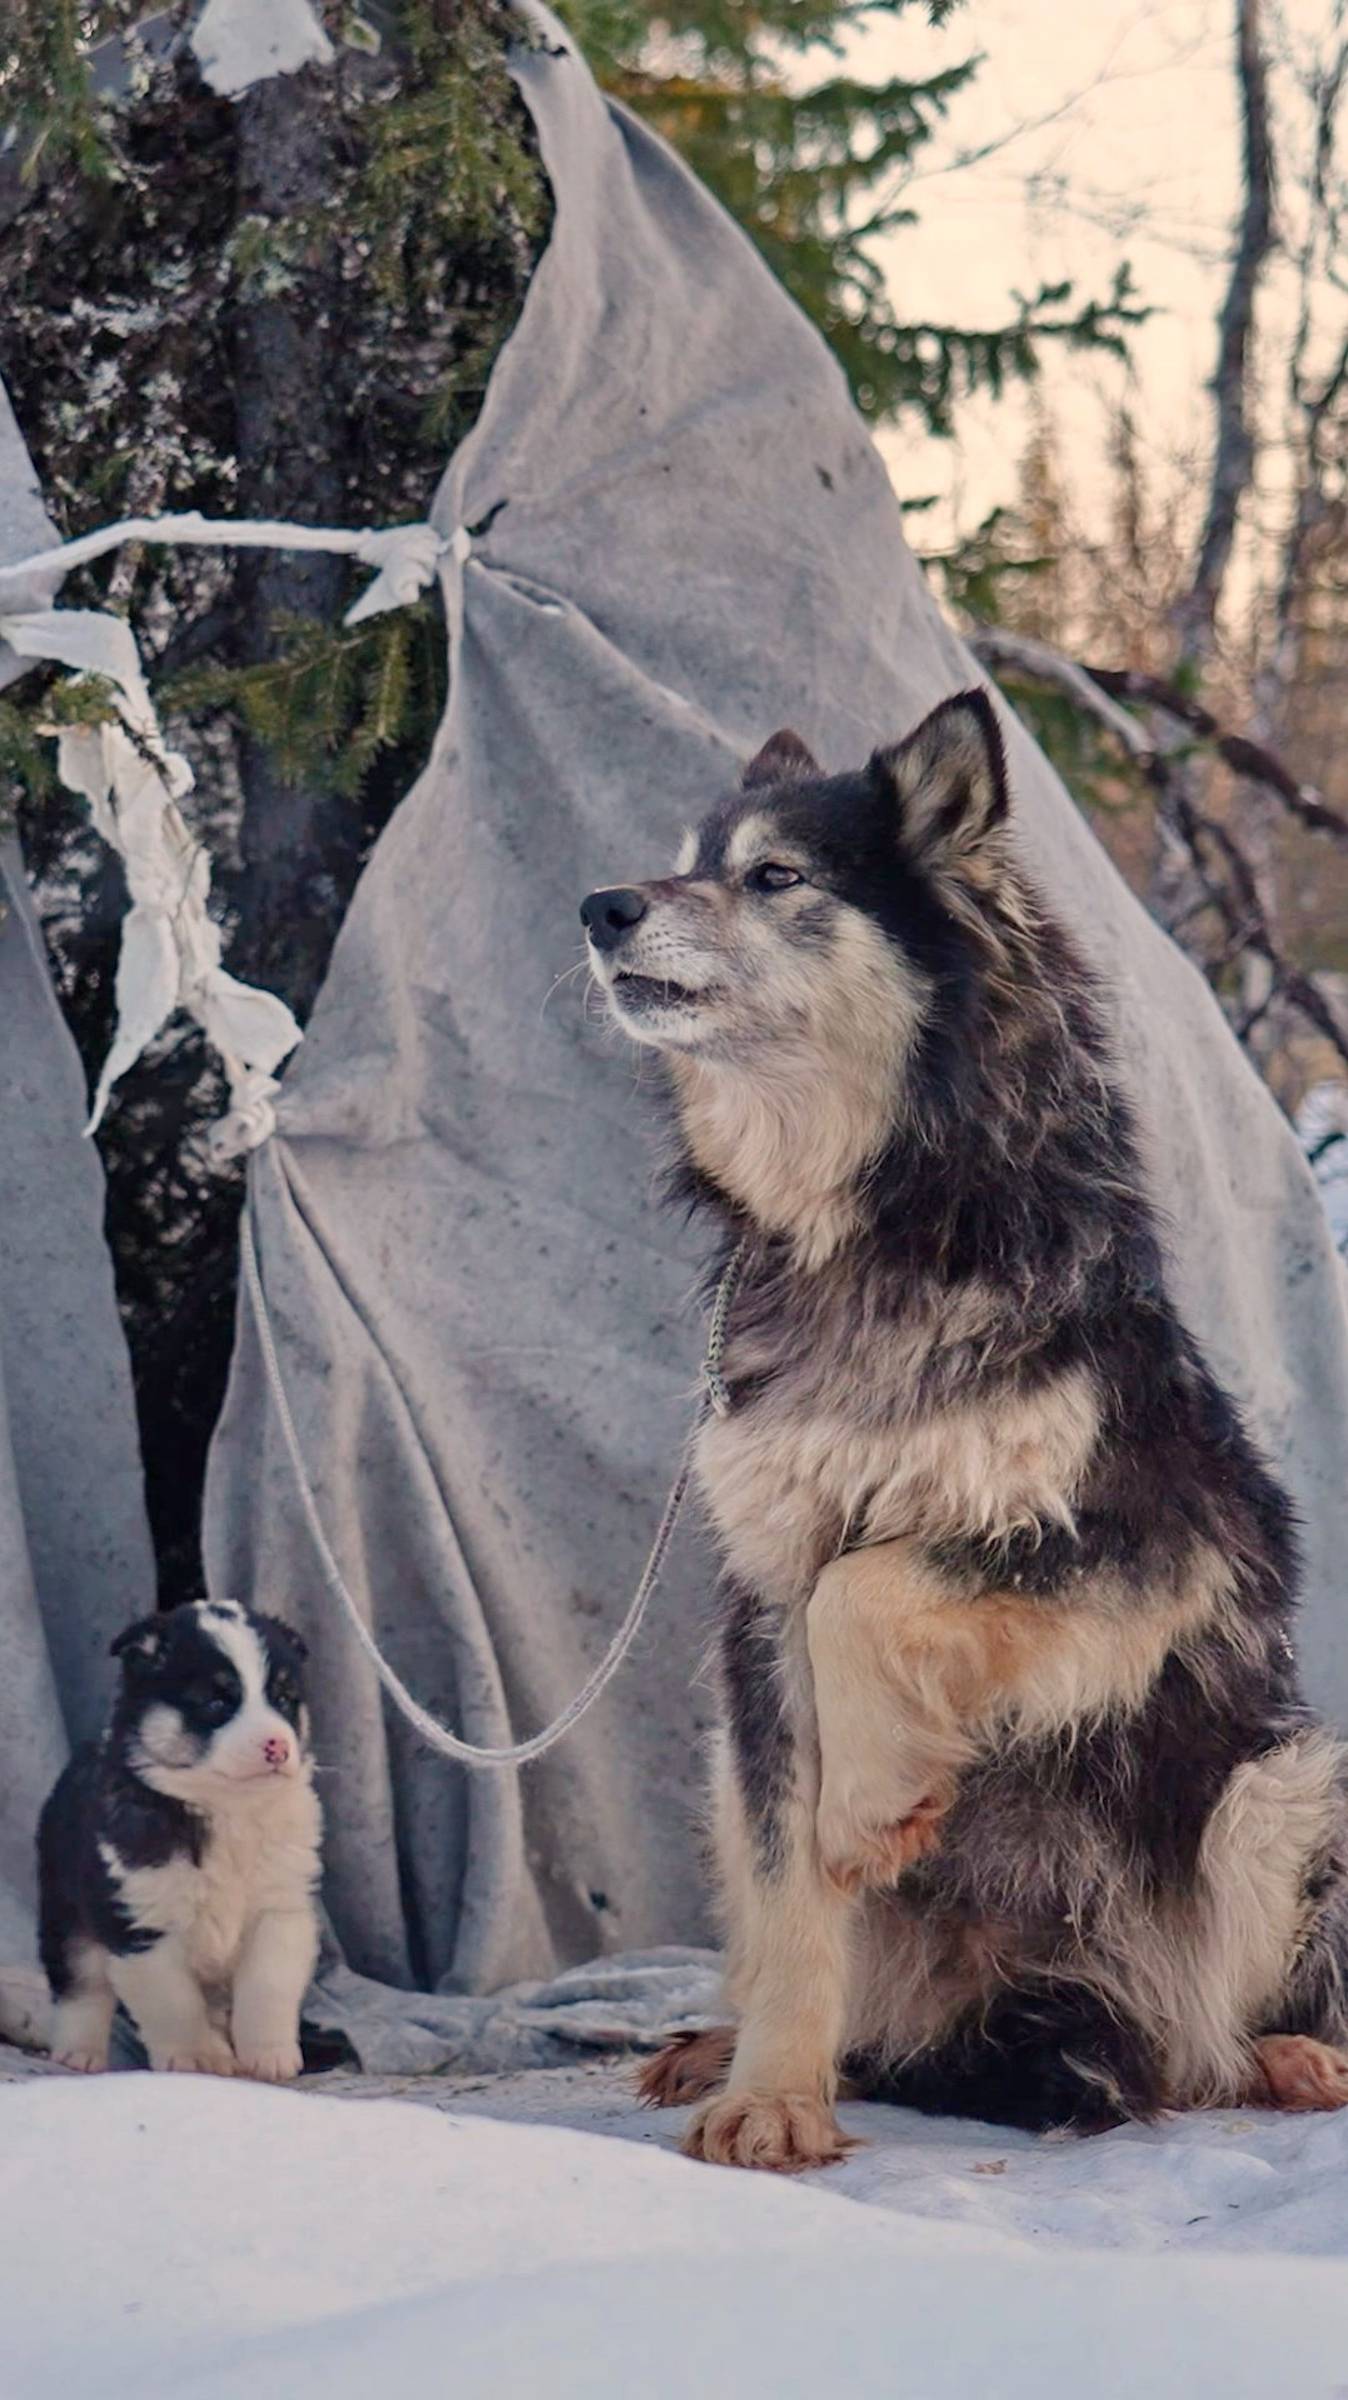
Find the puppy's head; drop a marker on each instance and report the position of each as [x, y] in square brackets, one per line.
[810, 910]
[211, 1701]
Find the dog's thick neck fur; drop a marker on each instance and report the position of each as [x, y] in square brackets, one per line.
[792, 1145]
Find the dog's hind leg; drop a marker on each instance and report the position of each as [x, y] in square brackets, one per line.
[689, 2067]
[1293, 2071]
[1053, 2057]
[1304, 2063]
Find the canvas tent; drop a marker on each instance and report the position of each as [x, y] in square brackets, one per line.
[684, 538]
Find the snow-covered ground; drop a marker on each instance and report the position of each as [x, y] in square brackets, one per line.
[181, 2236]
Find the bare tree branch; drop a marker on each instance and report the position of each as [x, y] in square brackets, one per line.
[1226, 882]
[1099, 690]
[1002, 651]
[1252, 760]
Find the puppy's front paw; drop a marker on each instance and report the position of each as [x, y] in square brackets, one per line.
[786, 2132]
[208, 2055]
[81, 2061]
[270, 2062]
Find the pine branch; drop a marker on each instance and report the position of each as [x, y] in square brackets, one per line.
[818, 176]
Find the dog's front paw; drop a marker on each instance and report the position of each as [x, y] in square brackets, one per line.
[858, 1856]
[81, 2061]
[270, 2062]
[208, 2054]
[786, 2132]
[689, 2066]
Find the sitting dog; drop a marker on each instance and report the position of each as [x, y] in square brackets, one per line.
[178, 1856]
[1018, 1813]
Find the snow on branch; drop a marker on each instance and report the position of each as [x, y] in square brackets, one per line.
[242, 42]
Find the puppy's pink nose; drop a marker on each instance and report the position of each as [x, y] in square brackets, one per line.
[276, 1750]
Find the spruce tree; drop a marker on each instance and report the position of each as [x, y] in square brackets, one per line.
[813, 163]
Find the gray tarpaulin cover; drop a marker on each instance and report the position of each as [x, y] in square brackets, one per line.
[75, 1557]
[681, 539]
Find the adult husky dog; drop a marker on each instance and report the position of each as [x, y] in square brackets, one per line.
[1018, 1813]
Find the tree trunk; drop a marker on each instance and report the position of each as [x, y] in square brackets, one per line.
[290, 442]
[1233, 460]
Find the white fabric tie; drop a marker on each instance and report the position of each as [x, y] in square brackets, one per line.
[406, 556]
[170, 954]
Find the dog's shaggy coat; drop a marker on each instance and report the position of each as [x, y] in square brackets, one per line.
[1017, 1812]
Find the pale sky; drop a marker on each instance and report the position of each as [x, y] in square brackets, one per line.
[1126, 143]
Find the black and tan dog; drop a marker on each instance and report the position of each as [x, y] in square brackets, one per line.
[1018, 1812]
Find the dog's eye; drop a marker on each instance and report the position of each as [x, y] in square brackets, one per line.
[771, 877]
[216, 1703]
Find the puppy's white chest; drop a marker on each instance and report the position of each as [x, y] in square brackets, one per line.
[261, 1856]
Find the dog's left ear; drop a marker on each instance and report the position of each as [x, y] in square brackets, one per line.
[783, 758]
[279, 1625]
[139, 1644]
[948, 782]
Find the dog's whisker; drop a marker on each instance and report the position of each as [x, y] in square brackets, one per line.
[555, 986]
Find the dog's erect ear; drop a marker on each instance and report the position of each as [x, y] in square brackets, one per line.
[948, 782]
[782, 759]
[296, 1640]
[139, 1644]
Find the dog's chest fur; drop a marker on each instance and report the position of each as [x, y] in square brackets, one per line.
[860, 1417]
[258, 1855]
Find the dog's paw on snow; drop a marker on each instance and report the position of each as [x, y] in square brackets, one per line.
[785, 2132]
[213, 2057]
[278, 2062]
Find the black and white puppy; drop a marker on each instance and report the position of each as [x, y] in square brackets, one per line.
[178, 1856]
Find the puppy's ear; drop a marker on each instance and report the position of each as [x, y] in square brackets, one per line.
[948, 784]
[296, 1640]
[139, 1644]
[784, 758]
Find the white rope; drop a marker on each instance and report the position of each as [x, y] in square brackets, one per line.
[436, 1735]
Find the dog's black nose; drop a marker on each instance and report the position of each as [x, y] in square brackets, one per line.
[607, 916]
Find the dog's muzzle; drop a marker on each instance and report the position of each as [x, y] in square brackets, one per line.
[608, 917]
